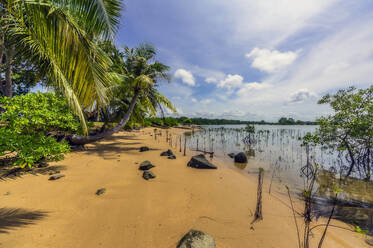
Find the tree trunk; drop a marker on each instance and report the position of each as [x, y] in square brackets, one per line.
[8, 87]
[2, 51]
[82, 140]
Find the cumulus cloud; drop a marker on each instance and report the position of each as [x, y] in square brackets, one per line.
[185, 76]
[249, 88]
[270, 60]
[231, 81]
[194, 100]
[301, 95]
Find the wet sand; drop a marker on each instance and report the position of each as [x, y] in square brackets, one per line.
[135, 213]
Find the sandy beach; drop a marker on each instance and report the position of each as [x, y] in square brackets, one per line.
[134, 213]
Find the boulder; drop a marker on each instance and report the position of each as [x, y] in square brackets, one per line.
[167, 153]
[172, 157]
[148, 175]
[200, 162]
[100, 191]
[57, 176]
[144, 149]
[146, 165]
[231, 155]
[196, 239]
[240, 158]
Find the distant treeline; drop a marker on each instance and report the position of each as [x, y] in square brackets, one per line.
[172, 121]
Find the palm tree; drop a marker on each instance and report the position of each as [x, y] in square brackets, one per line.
[59, 37]
[142, 76]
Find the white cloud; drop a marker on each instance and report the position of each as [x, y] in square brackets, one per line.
[270, 60]
[206, 101]
[231, 81]
[267, 22]
[185, 76]
[194, 100]
[250, 88]
[211, 80]
[301, 95]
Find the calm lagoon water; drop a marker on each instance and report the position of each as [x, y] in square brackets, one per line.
[278, 149]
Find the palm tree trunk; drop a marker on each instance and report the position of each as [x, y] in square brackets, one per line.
[2, 51]
[82, 140]
[8, 87]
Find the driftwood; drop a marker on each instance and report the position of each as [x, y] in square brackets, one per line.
[258, 212]
[205, 152]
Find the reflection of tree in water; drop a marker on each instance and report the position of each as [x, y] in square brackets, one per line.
[355, 202]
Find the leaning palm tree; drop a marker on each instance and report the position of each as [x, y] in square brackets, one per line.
[59, 38]
[142, 76]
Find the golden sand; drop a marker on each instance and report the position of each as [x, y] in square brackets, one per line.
[134, 213]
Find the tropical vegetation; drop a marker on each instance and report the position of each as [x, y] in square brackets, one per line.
[348, 130]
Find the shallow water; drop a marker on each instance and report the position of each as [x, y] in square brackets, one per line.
[278, 150]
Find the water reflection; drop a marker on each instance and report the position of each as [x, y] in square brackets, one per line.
[278, 149]
[240, 166]
[354, 204]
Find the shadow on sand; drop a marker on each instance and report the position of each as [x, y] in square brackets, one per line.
[17, 172]
[12, 218]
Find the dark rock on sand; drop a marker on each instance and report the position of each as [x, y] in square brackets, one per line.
[172, 157]
[231, 155]
[369, 242]
[57, 176]
[196, 239]
[146, 165]
[54, 172]
[200, 162]
[42, 165]
[148, 175]
[240, 158]
[167, 153]
[144, 149]
[100, 191]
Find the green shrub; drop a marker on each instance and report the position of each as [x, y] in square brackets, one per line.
[28, 124]
[171, 122]
[187, 121]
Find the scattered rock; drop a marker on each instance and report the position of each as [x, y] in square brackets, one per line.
[57, 176]
[240, 158]
[54, 172]
[200, 162]
[42, 165]
[146, 165]
[231, 155]
[196, 239]
[369, 242]
[172, 157]
[7, 193]
[144, 149]
[148, 175]
[100, 191]
[167, 153]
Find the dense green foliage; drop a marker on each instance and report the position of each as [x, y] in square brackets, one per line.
[132, 65]
[349, 130]
[59, 38]
[28, 124]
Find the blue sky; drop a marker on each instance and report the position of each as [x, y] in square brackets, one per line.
[254, 60]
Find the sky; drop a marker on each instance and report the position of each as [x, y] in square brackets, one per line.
[254, 60]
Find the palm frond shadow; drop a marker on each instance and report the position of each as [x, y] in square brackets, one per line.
[12, 218]
[18, 172]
